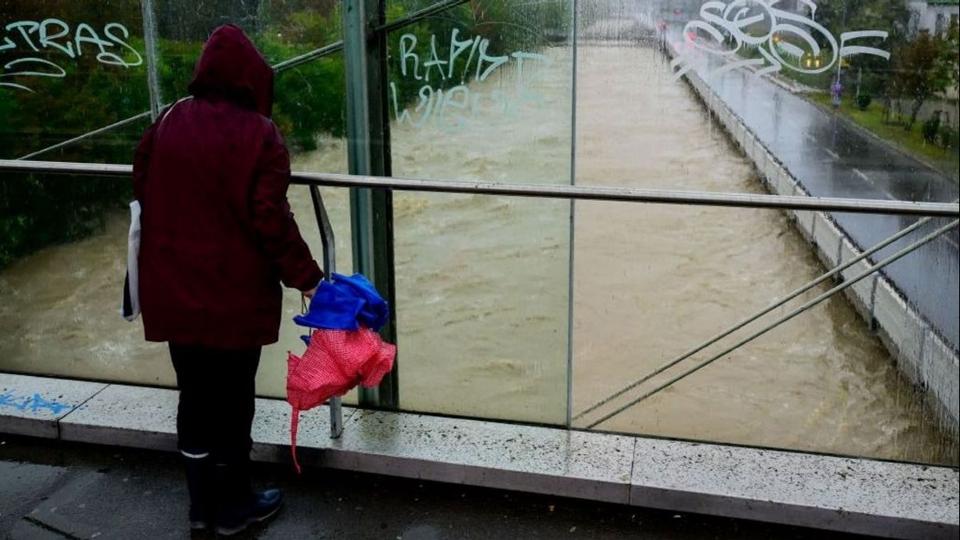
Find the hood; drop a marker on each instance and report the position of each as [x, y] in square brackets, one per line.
[232, 68]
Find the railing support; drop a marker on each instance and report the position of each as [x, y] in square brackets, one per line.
[150, 46]
[368, 150]
[329, 243]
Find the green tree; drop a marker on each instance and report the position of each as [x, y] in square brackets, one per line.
[891, 16]
[951, 52]
[921, 72]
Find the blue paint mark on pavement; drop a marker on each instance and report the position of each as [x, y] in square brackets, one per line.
[34, 403]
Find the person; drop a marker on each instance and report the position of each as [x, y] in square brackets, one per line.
[218, 238]
[836, 93]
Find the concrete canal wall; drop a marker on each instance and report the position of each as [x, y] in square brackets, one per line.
[920, 353]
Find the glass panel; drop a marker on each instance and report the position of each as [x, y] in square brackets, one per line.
[69, 68]
[825, 381]
[59, 303]
[851, 99]
[281, 30]
[483, 92]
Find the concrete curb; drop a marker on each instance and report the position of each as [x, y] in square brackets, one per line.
[844, 494]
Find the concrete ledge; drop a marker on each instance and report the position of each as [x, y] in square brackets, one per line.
[534, 459]
[854, 495]
[140, 417]
[132, 416]
[851, 495]
[33, 406]
[271, 432]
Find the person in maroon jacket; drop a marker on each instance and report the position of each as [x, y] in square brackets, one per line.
[218, 238]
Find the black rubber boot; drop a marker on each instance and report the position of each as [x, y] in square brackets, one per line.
[238, 506]
[200, 485]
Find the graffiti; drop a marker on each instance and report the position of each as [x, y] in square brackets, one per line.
[30, 38]
[444, 99]
[34, 403]
[784, 39]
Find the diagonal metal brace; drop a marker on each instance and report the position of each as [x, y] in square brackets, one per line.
[859, 277]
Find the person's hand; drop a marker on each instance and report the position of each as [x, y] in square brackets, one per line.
[310, 293]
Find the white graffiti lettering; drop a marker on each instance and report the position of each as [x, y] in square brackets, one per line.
[455, 107]
[54, 35]
[784, 39]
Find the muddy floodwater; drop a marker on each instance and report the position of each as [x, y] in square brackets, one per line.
[483, 282]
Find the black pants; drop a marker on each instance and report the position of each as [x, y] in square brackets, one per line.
[217, 389]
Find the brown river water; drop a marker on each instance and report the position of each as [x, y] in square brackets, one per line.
[483, 282]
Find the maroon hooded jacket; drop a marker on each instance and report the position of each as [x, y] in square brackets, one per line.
[218, 236]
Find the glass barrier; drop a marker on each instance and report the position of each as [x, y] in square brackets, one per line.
[822, 382]
[802, 97]
[686, 95]
[69, 68]
[483, 92]
[60, 304]
[850, 100]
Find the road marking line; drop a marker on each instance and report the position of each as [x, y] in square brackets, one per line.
[832, 153]
[870, 181]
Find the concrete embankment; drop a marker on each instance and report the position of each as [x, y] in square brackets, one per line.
[918, 348]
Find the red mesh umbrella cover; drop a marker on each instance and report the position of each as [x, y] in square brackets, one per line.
[334, 362]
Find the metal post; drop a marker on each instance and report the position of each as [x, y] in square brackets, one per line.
[329, 243]
[574, 16]
[368, 150]
[150, 41]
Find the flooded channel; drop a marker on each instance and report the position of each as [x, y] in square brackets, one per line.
[483, 284]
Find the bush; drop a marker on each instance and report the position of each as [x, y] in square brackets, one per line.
[931, 129]
[946, 137]
[864, 101]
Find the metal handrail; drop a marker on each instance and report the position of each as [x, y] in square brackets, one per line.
[634, 195]
[315, 180]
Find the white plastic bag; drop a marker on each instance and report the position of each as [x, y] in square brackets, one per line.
[130, 308]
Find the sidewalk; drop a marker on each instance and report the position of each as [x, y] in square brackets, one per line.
[55, 490]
